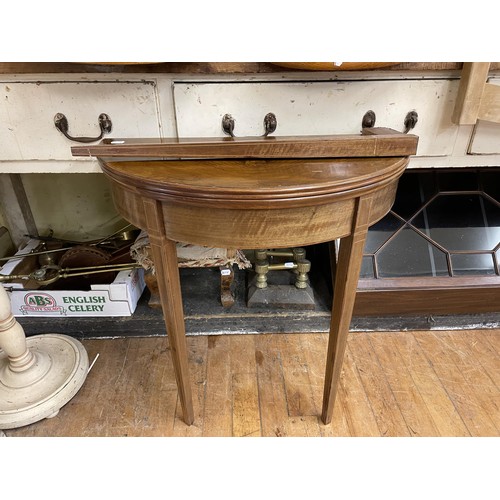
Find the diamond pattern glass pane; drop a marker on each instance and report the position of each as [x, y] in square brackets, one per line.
[452, 180]
[381, 231]
[490, 183]
[472, 264]
[367, 267]
[414, 189]
[409, 254]
[460, 222]
[456, 210]
[492, 217]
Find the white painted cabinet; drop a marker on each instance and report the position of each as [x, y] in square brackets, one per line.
[169, 105]
[331, 107]
[28, 108]
[165, 105]
[485, 139]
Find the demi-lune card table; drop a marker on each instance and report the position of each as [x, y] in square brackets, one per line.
[249, 193]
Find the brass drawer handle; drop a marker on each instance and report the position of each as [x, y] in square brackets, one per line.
[270, 124]
[61, 123]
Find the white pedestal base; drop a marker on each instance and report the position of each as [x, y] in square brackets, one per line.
[38, 392]
[39, 375]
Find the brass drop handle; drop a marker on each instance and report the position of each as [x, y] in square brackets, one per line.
[270, 124]
[61, 123]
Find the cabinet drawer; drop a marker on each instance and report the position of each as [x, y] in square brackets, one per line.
[27, 110]
[486, 136]
[320, 108]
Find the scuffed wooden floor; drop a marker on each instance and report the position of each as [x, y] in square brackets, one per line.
[433, 383]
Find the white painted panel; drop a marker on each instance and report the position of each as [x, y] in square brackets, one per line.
[74, 206]
[27, 111]
[320, 108]
[486, 138]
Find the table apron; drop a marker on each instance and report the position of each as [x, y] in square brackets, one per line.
[252, 228]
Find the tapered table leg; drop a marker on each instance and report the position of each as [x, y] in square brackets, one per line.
[165, 259]
[344, 295]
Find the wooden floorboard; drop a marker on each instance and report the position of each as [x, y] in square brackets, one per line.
[420, 383]
[466, 398]
[406, 394]
[372, 373]
[245, 389]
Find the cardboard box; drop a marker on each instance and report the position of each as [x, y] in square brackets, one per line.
[118, 298]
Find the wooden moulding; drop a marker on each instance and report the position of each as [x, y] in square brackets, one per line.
[373, 142]
[427, 296]
[470, 92]
[261, 183]
[476, 99]
[490, 103]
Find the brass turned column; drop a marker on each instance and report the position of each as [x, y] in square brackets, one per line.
[269, 192]
[299, 264]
